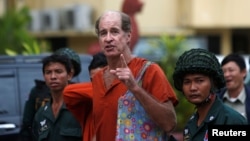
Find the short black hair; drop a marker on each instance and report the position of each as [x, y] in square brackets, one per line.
[63, 59]
[98, 60]
[234, 57]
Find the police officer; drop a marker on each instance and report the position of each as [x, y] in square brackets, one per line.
[40, 95]
[53, 121]
[198, 75]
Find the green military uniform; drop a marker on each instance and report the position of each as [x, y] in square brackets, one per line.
[38, 97]
[62, 128]
[218, 115]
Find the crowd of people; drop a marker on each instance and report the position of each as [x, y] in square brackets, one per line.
[130, 98]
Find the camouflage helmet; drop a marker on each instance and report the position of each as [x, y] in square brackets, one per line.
[198, 61]
[74, 57]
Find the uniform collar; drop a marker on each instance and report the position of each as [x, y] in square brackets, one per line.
[212, 113]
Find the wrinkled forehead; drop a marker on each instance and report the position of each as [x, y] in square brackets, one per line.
[111, 16]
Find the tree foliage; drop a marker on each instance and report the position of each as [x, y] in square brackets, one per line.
[14, 35]
[172, 47]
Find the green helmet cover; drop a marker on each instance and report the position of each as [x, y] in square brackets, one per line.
[73, 56]
[198, 61]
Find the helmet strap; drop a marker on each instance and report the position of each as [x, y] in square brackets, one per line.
[206, 101]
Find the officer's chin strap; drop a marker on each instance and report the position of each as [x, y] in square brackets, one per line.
[207, 100]
[209, 97]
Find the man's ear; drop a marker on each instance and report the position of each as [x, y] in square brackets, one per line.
[70, 74]
[129, 36]
[244, 73]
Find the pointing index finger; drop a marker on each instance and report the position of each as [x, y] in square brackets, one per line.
[123, 61]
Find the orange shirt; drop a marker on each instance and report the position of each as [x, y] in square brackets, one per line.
[105, 101]
[78, 99]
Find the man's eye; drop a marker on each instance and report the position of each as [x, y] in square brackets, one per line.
[115, 31]
[200, 80]
[59, 71]
[102, 33]
[47, 72]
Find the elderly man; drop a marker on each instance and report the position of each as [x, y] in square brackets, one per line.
[132, 98]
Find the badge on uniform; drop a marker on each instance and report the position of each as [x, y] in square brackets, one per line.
[186, 135]
[43, 125]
